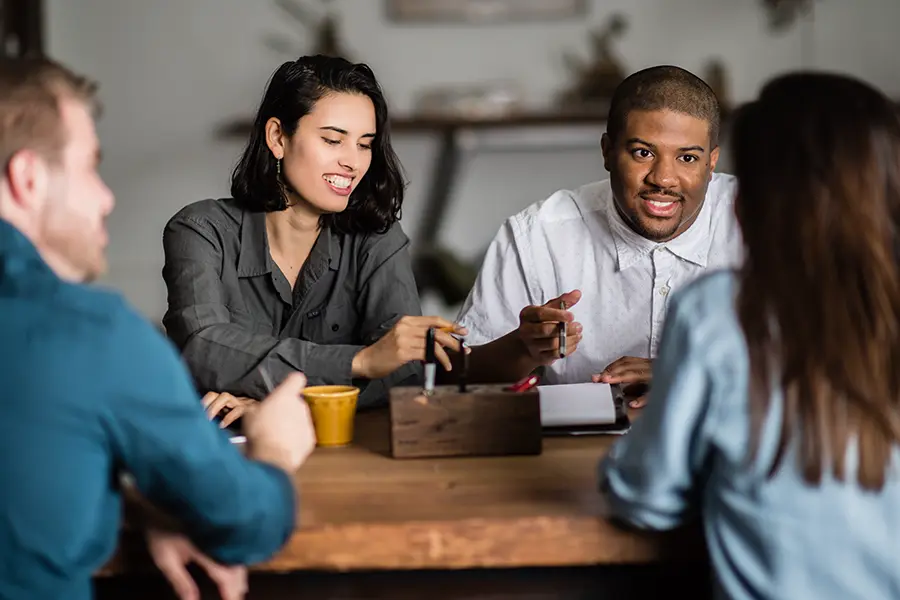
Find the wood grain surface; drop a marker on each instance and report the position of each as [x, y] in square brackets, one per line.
[360, 509]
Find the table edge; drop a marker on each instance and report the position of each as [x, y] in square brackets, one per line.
[534, 541]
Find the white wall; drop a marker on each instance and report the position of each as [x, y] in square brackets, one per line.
[171, 70]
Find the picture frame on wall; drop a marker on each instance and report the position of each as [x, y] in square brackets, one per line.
[483, 11]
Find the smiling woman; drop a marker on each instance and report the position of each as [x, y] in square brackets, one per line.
[306, 267]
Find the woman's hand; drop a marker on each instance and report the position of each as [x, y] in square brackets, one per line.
[214, 403]
[404, 343]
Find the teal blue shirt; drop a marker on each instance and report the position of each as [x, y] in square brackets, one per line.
[89, 390]
[686, 456]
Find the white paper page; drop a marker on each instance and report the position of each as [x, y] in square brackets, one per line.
[576, 404]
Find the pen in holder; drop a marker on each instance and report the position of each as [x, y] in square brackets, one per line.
[430, 366]
[464, 373]
[562, 334]
[463, 420]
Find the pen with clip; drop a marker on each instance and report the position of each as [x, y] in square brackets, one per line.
[267, 379]
[430, 361]
[465, 366]
[562, 334]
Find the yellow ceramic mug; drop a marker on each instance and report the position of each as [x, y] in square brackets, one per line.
[333, 409]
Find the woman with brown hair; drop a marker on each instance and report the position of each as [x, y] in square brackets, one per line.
[775, 406]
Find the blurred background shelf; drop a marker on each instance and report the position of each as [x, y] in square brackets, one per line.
[167, 81]
[438, 269]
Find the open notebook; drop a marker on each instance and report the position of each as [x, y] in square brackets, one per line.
[582, 409]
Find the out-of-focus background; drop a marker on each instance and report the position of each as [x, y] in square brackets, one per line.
[179, 79]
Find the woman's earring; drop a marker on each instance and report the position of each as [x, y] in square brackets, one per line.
[278, 166]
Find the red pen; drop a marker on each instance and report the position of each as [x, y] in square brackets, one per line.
[523, 385]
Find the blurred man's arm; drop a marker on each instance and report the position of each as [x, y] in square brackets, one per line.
[234, 509]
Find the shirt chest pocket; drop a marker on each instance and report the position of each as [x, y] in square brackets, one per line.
[336, 324]
[249, 322]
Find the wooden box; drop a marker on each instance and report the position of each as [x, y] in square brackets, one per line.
[486, 420]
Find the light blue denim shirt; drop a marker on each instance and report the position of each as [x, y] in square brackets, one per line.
[687, 456]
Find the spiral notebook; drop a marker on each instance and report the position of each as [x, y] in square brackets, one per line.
[583, 409]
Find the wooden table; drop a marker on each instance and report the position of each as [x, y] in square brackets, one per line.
[362, 511]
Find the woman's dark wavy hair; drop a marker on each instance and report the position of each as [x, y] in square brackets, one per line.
[291, 94]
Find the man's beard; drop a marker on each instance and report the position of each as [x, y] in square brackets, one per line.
[632, 219]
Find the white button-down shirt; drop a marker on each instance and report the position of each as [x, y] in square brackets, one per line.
[575, 239]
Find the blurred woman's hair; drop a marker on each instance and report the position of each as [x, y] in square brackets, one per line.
[292, 92]
[817, 158]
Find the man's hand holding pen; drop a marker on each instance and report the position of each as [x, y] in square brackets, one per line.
[539, 329]
[406, 342]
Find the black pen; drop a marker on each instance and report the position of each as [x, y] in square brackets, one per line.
[465, 366]
[430, 366]
[562, 334]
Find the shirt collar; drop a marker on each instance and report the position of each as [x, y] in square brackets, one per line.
[16, 247]
[630, 247]
[333, 248]
[254, 258]
[692, 245]
[253, 254]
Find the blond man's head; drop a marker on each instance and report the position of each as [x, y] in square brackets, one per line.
[50, 189]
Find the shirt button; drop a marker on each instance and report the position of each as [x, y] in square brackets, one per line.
[335, 327]
[664, 291]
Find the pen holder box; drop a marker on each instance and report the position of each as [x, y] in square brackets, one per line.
[485, 420]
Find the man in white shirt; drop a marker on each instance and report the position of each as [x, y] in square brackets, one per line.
[613, 250]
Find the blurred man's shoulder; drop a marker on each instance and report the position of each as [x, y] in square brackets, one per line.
[103, 313]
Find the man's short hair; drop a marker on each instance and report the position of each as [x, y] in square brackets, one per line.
[664, 88]
[30, 93]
